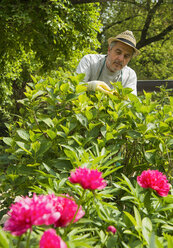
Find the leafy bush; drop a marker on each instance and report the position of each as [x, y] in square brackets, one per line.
[40, 36]
[61, 127]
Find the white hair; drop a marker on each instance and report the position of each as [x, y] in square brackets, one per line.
[112, 44]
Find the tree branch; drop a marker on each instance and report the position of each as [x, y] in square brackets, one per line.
[140, 5]
[158, 37]
[89, 1]
[150, 15]
[118, 22]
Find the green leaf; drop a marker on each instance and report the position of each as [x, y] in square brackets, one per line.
[80, 88]
[51, 134]
[38, 93]
[48, 121]
[109, 136]
[111, 171]
[147, 200]
[89, 115]
[125, 245]
[101, 211]
[4, 243]
[167, 227]
[138, 219]
[170, 142]
[103, 131]
[131, 218]
[111, 161]
[168, 199]
[65, 129]
[127, 181]
[146, 228]
[169, 239]
[134, 134]
[80, 77]
[125, 198]
[112, 242]
[155, 242]
[35, 146]
[61, 134]
[8, 141]
[167, 207]
[76, 138]
[82, 119]
[161, 146]
[71, 155]
[102, 236]
[24, 147]
[33, 165]
[60, 164]
[149, 156]
[49, 170]
[64, 87]
[44, 147]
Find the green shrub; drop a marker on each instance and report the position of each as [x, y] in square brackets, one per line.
[61, 126]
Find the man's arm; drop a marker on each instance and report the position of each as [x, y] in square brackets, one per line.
[131, 81]
[84, 66]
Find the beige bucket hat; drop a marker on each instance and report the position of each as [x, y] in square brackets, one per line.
[127, 38]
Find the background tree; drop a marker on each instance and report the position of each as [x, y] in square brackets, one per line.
[40, 35]
[152, 25]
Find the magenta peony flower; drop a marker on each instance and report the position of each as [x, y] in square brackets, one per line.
[155, 180]
[27, 212]
[67, 208]
[88, 179]
[51, 240]
[111, 229]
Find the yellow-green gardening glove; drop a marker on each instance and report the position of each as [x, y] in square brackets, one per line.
[99, 85]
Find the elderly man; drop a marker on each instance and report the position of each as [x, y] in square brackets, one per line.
[103, 70]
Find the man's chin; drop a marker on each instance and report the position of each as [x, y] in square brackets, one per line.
[116, 68]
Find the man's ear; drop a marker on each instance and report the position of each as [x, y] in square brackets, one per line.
[109, 50]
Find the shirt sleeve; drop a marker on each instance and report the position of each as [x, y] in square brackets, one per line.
[131, 82]
[84, 66]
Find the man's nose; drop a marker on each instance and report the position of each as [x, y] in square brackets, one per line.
[121, 57]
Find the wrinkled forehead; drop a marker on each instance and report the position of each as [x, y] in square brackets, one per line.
[122, 47]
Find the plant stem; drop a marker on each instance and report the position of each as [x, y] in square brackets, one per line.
[18, 243]
[28, 239]
[71, 222]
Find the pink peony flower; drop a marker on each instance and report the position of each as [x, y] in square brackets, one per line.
[51, 240]
[87, 178]
[155, 180]
[111, 229]
[67, 208]
[27, 212]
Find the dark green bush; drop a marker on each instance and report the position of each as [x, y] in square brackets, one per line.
[61, 126]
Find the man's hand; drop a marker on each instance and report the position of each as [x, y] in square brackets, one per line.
[99, 85]
[103, 87]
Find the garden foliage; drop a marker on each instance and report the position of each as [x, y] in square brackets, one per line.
[39, 36]
[62, 127]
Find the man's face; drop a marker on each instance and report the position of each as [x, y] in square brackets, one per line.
[118, 56]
